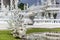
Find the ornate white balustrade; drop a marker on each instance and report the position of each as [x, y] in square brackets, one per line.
[47, 20]
[55, 5]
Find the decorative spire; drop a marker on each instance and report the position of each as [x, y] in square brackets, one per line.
[25, 6]
[2, 4]
[49, 2]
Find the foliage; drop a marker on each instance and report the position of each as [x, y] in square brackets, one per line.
[34, 30]
[6, 35]
[21, 6]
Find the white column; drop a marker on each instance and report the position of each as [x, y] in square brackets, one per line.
[16, 4]
[1, 4]
[24, 7]
[44, 15]
[40, 15]
[11, 6]
[49, 2]
[52, 21]
[47, 15]
[52, 16]
[27, 5]
[54, 1]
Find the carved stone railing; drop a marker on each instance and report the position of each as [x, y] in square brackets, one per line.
[47, 20]
[55, 5]
[44, 36]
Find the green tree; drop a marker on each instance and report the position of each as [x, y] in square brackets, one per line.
[21, 6]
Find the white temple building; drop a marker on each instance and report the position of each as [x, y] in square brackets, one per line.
[47, 14]
[44, 15]
[6, 8]
[11, 4]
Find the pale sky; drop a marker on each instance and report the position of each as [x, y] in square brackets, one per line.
[30, 2]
